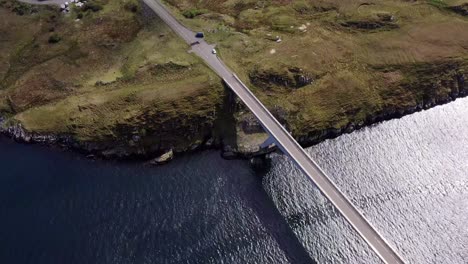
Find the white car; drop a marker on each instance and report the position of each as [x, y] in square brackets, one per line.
[213, 51]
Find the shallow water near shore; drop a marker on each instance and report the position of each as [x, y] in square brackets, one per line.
[408, 176]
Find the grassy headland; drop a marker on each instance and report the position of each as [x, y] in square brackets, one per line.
[323, 67]
[112, 76]
[339, 63]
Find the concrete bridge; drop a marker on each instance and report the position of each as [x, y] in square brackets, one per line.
[282, 138]
[278, 133]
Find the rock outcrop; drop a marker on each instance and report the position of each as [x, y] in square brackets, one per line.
[461, 9]
[291, 77]
[436, 84]
[164, 158]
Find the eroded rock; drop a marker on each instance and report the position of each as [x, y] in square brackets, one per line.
[164, 158]
[461, 9]
[291, 77]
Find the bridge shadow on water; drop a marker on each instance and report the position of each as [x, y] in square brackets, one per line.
[275, 223]
[254, 195]
[256, 198]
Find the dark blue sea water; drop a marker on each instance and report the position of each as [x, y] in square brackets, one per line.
[409, 177]
[57, 207]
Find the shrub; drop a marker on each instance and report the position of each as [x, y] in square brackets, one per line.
[95, 7]
[132, 7]
[191, 13]
[54, 38]
[21, 9]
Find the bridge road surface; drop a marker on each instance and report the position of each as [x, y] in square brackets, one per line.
[283, 139]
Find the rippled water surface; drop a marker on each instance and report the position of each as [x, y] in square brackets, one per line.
[408, 176]
[59, 208]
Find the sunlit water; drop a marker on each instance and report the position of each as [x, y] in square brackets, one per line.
[408, 176]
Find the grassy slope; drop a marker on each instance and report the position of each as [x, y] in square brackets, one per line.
[111, 77]
[357, 71]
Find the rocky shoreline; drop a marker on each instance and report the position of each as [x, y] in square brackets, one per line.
[159, 136]
[458, 89]
[103, 150]
[109, 150]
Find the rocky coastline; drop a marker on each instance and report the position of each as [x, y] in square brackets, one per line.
[101, 150]
[160, 134]
[110, 150]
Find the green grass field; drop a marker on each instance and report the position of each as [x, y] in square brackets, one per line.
[111, 76]
[347, 47]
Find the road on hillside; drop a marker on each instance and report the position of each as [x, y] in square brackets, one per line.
[283, 139]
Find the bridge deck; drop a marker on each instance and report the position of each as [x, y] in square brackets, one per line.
[283, 139]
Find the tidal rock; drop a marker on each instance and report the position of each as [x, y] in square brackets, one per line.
[209, 143]
[228, 153]
[164, 158]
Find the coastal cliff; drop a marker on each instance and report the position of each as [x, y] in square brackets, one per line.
[447, 83]
[124, 86]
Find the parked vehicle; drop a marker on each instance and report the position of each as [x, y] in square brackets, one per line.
[200, 35]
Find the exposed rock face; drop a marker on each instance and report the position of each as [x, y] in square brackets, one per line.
[435, 84]
[18, 133]
[305, 10]
[121, 149]
[458, 86]
[455, 84]
[281, 115]
[250, 124]
[439, 83]
[228, 153]
[461, 9]
[291, 78]
[369, 25]
[164, 158]
[381, 21]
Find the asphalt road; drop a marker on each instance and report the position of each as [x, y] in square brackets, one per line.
[283, 139]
